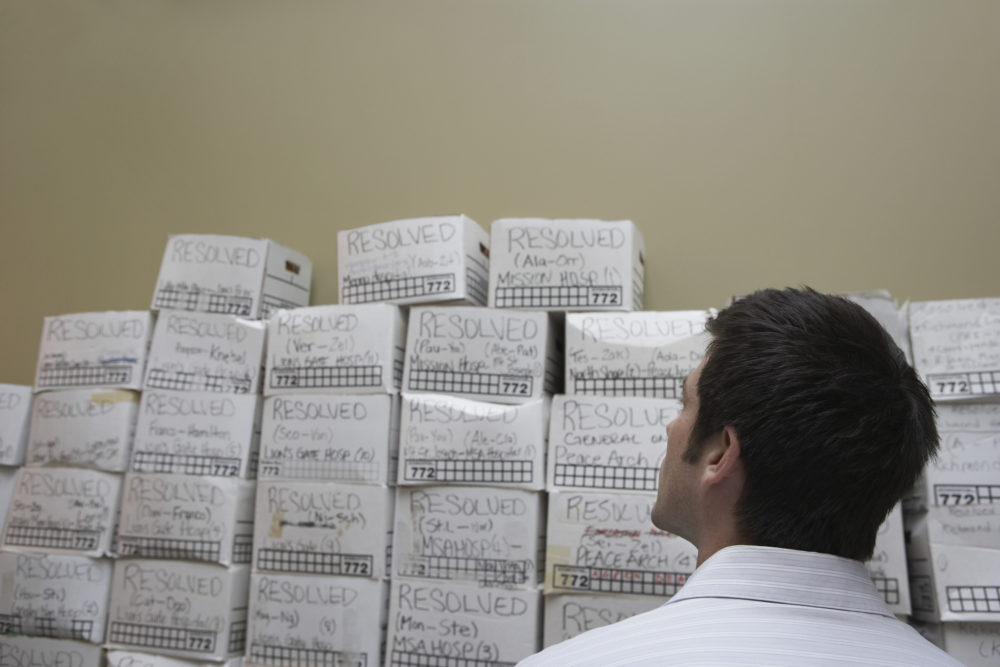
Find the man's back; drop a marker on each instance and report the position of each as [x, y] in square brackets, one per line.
[759, 606]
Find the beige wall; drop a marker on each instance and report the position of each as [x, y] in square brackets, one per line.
[844, 144]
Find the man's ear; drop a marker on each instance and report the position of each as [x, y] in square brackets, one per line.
[723, 459]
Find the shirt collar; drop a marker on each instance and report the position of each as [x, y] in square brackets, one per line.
[785, 576]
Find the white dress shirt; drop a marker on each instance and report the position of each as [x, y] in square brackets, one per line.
[751, 605]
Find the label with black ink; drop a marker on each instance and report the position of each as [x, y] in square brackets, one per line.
[608, 443]
[186, 517]
[434, 622]
[315, 620]
[196, 611]
[196, 433]
[633, 354]
[56, 596]
[42, 652]
[481, 353]
[445, 439]
[418, 260]
[62, 510]
[567, 616]
[585, 265]
[606, 543]
[231, 275]
[211, 353]
[490, 536]
[348, 438]
[106, 349]
[322, 528]
[956, 347]
[351, 349]
[84, 428]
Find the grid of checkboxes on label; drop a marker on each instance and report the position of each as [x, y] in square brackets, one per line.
[399, 288]
[973, 598]
[605, 477]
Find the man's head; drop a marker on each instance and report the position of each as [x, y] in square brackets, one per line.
[831, 426]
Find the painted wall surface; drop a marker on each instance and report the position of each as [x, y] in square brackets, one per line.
[847, 145]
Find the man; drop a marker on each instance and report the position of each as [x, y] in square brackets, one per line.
[799, 432]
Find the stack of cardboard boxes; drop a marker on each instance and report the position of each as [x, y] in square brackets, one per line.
[184, 538]
[404, 441]
[953, 517]
[323, 521]
[61, 521]
[624, 376]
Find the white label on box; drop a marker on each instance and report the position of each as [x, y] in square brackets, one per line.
[487, 535]
[956, 347]
[326, 436]
[966, 471]
[566, 264]
[186, 517]
[93, 350]
[887, 566]
[449, 439]
[15, 412]
[41, 652]
[952, 554]
[195, 433]
[322, 528]
[300, 620]
[199, 352]
[335, 349]
[633, 354]
[63, 509]
[480, 353]
[211, 274]
[606, 443]
[83, 427]
[133, 659]
[414, 261]
[445, 623]
[972, 644]
[231, 275]
[606, 543]
[191, 610]
[567, 616]
[63, 597]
